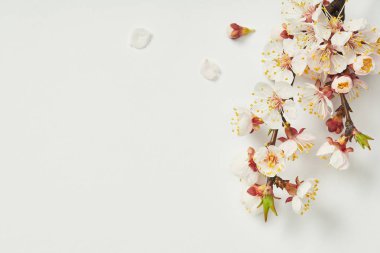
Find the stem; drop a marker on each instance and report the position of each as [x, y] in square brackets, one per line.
[273, 139]
[349, 124]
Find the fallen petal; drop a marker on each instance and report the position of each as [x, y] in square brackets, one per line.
[210, 70]
[140, 38]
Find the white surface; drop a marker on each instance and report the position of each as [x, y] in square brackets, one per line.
[104, 148]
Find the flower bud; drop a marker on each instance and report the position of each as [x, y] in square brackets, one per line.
[236, 31]
[363, 65]
[335, 124]
[342, 84]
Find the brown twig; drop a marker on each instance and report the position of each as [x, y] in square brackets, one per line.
[349, 124]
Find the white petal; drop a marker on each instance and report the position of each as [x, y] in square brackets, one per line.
[299, 64]
[305, 137]
[251, 203]
[242, 121]
[290, 47]
[339, 63]
[370, 33]
[338, 159]
[273, 119]
[289, 147]
[290, 110]
[140, 38]
[304, 188]
[355, 24]
[322, 32]
[345, 165]
[297, 204]
[284, 75]
[284, 90]
[326, 149]
[240, 168]
[340, 39]
[263, 90]
[210, 70]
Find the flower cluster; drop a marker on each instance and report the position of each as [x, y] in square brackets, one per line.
[317, 44]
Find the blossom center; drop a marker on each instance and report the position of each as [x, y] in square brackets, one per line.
[285, 61]
[335, 24]
[367, 65]
[343, 85]
[271, 159]
[275, 102]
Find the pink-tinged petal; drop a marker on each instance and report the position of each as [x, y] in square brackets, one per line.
[289, 147]
[338, 159]
[297, 204]
[326, 149]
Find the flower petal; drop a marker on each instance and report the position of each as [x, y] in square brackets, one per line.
[299, 63]
[290, 110]
[263, 90]
[326, 149]
[304, 188]
[289, 147]
[340, 39]
[354, 25]
[338, 159]
[284, 90]
[297, 204]
[210, 70]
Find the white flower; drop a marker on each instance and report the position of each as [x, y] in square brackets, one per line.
[270, 160]
[298, 10]
[306, 192]
[251, 203]
[272, 100]
[242, 169]
[342, 84]
[362, 37]
[363, 65]
[244, 121]
[326, 58]
[304, 35]
[301, 141]
[282, 58]
[315, 101]
[338, 152]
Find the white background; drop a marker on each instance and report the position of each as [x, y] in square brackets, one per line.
[105, 148]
